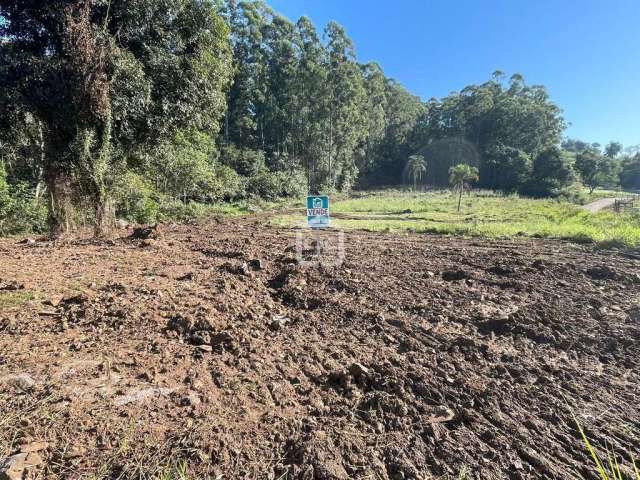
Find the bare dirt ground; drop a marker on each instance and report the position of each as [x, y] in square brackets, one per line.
[598, 205]
[420, 357]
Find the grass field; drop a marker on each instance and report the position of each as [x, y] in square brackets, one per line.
[483, 214]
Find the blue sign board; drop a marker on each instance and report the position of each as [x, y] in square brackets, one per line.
[318, 211]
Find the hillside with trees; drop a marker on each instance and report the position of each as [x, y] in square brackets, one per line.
[146, 110]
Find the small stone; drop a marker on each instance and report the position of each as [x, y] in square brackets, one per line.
[256, 264]
[191, 400]
[205, 348]
[278, 322]
[358, 370]
[122, 224]
[33, 447]
[13, 468]
[22, 381]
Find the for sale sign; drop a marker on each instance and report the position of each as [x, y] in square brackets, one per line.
[318, 211]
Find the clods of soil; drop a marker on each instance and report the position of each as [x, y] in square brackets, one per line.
[219, 348]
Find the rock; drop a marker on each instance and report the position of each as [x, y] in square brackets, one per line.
[13, 468]
[201, 338]
[439, 414]
[122, 224]
[256, 264]
[144, 233]
[22, 381]
[454, 275]
[205, 348]
[278, 322]
[148, 242]
[33, 447]
[223, 341]
[358, 370]
[539, 265]
[192, 399]
[27, 241]
[11, 286]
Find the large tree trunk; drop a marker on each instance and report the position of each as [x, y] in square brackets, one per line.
[100, 160]
[60, 203]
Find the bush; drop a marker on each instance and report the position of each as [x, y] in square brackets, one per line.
[245, 161]
[265, 185]
[135, 199]
[273, 185]
[177, 211]
[20, 211]
[229, 185]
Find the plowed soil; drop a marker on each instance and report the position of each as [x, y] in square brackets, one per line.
[213, 348]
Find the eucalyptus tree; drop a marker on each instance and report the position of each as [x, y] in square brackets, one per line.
[514, 115]
[347, 96]
[313, 101]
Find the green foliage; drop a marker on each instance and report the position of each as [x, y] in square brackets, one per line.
[552, 172]
[229, 185]
[135, 199]
[273, 185]
[630, 173]
[610, 469]
[101, 88]
[462, 174]
[507, 168]
[417, 168]
[184, 167]
[245, 161]
[221, 100]
[20, 211]
[595, 169]
[491, 116]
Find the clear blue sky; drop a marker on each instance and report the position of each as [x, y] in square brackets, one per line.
[586, 52]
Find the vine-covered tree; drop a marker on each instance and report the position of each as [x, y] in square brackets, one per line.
[101, 87]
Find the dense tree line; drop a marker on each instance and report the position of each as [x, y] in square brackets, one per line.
[142, 108]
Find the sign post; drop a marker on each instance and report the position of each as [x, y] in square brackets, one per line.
[318, 211]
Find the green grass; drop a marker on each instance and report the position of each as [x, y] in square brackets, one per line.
[14, 299]
[483, 214]
[611, 469]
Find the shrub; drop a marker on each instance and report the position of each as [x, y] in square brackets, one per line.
[20, 211]
[273, 185]
[136, 199]
[229, 185]
[245, 161]
[265, 185]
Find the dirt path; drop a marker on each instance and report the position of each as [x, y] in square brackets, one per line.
[418, 358]
[598, 205]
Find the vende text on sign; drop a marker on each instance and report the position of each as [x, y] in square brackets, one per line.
[318, 211]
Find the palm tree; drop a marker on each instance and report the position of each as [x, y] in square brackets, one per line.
[461, 175]
[417, 167]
